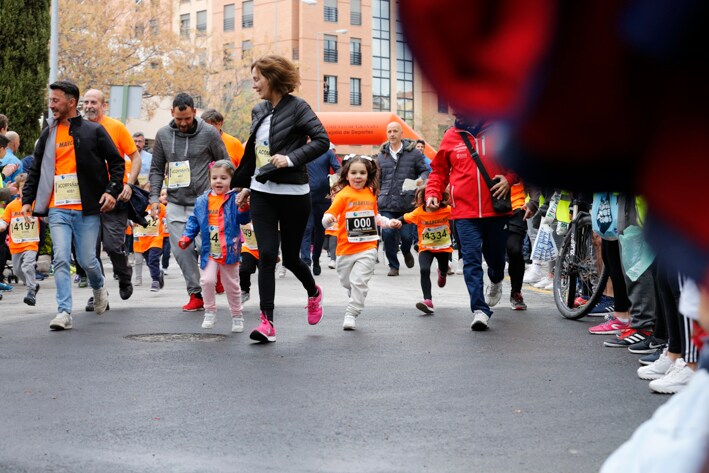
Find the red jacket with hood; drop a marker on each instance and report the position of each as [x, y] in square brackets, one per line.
[470, 196]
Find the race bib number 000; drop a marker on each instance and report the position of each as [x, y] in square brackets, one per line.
[178, 174]
[22, 231]
[360, 226]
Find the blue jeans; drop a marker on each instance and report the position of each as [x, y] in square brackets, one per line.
[64, 225]
[478, 238]
[390, 238]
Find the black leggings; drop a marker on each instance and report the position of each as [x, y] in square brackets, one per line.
[425, 261]
[246, 269]
[290, 213]
[515, 256]
[610, 250]
[679, 327]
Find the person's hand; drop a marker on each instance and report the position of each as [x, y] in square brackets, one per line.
[107, 202]
[527, 212]
[328, 220]
[419, 181]
[432, 203]
[395, 224]
[243, 198]
[27, 212]
[13, 188]
[184, 242]
[155, 210]
[279, 160]
[126, 194]
[502, 187]
[9, 169]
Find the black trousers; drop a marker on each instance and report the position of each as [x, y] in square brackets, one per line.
[246, 269]
[425, 261]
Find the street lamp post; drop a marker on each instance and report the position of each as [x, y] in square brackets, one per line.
[318, 37]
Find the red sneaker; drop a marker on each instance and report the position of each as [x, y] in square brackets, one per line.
[264, 332]
[315, 308]
[219, 289]
[195, 303]
[442, 277]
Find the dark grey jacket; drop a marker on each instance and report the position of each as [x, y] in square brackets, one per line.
[409, 165]
[293, 121]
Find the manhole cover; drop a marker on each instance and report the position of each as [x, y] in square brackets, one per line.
[177, 337]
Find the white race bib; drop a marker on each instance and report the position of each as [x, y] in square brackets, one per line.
[23, 232]
[151, 230]
[263, 153]
[178, 174]
[66, 189]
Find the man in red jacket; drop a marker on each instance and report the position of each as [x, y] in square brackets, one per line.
[481, 231]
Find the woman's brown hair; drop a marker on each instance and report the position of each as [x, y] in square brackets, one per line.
[282, 75]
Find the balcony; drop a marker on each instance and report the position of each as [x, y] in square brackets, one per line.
[331, 14]
[330, 96]
[355, 98]
[330, 55]
[355, 58]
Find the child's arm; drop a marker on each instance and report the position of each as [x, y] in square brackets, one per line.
[387, 222]
[244, 214]
[328, 220]
[191, 231]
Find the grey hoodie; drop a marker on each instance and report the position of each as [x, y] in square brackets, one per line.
[200, 148]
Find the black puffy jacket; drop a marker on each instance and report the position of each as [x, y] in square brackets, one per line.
[293, 121]
[409, 165]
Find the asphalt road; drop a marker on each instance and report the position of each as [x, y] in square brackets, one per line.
[403, 393]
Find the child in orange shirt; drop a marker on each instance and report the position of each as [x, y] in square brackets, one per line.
[434, 234]
[355, 206]
[23, 242]
[147, 245]
[249, 260]
[165, 235]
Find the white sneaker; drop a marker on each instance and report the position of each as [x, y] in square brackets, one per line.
[533, 275]
[209, 318]
[493, 294]
[332, 264]
[62, 321]
[480, 321]
[544, 282]
[349, 322]
[164, 271]
[281, 272]
[677, 377]
[245, 296]
[550, 286]
[100, 300]
[138, 281]
[656, 369]
[459, 268]
[237, 324]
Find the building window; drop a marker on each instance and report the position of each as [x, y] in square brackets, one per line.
[154, 26]
[355, 91]
[139, 30]
[228, 58]
[404, 78]
[356, 12]
[331, 11]
[247, 14]
[381, 58]
[330, 89]
[185, 25]
[246, 49]
[201, 22]
[202, 58]
[442, 105]
[330, 48]
[229, 17]
[355, 51]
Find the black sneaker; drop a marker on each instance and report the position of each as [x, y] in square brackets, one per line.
[317, 269]
[651, 358]
[125, 291]
[30, 298]
[647, 346]
[627, 337]
[161, 280]
[409, 260]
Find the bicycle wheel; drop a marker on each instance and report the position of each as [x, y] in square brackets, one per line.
[577, 271]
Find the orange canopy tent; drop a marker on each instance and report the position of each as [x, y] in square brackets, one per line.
[365, 128]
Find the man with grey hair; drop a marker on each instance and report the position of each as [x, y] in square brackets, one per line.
[11, 157]
[146, 158]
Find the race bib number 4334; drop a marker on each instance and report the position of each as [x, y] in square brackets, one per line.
[361, 226]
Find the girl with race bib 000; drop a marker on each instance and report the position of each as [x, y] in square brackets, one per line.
[354, 207]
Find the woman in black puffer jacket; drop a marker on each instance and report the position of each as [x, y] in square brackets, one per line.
[273, 172]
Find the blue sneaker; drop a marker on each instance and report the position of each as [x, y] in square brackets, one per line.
[5, 287]
[606, 305]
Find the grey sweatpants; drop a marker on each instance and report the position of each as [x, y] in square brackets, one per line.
[176, 216]
[355, 271]
[23, 267]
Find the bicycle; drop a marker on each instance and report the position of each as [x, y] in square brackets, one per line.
[579, 270]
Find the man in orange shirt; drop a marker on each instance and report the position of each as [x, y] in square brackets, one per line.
[113, 223]
[73, 196]
[233, 146]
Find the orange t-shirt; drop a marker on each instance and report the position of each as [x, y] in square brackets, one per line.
[148, 237]
[433, 229]
[122, 139]
[14, 211]
[356, 211]
[517, 195]
[65, 165]
[249, 245]
[234, 148]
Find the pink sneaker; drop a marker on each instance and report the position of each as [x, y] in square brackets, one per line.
[442, 276]
[612, 326]
[264, 332]
[425, 306]
[315, 308]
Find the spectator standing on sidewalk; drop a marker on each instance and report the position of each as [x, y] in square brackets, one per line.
[398, 160]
